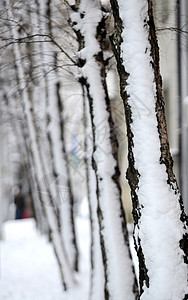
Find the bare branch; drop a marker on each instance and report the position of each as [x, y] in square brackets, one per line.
[28, 40]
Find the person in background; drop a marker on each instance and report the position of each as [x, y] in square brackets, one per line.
[19, 202]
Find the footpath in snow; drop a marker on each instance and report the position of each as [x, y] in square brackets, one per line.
[28, 268]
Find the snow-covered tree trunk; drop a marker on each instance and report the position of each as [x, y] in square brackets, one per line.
[54, 121]
[118, 269]
[160, 222]
[14, 101]
[96, 262]
[20, 130]
[97, 268]
[40, 160]
[68, 222]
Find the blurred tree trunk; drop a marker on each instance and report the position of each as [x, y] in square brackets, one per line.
[55, 136]
[38, 141]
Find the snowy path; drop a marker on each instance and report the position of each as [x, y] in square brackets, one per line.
[28, 266]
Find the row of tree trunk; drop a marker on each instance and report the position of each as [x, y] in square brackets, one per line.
[55, 51]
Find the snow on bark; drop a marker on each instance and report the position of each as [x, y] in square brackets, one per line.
[97, 269]
[25, 146]
[56, 140]
[20, 130]
[159, 226]
[27, 105]
[119, 278]
[68, 222]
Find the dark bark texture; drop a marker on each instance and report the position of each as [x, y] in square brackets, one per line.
[132, 173]
[69, 185]
[166, 157]
[102, 37]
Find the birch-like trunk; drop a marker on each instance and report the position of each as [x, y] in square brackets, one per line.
[40, 164]
[97, 281]
[20, 130]
[160, 222]
[118, 270]
[97, 268]
[56, 140]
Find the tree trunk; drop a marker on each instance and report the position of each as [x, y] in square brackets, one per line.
[97, 268]
[118, 269]
[41, 161]
[160, 222]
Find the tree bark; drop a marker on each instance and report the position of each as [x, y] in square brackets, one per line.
[110, 214]
[139, 180]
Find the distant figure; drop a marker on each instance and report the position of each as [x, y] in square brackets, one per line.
[19, 201]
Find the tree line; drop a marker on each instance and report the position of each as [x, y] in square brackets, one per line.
[55, 59]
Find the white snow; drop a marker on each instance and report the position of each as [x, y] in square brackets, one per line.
[160, 228]
[120, 277]
[62, 195]
[28, 266]
[97, 272]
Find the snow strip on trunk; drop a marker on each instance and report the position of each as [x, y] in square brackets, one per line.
[119, 265]
[51, 217]
[97, 271]
[159, 228]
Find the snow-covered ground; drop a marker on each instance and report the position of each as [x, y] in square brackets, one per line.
[28, 268]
